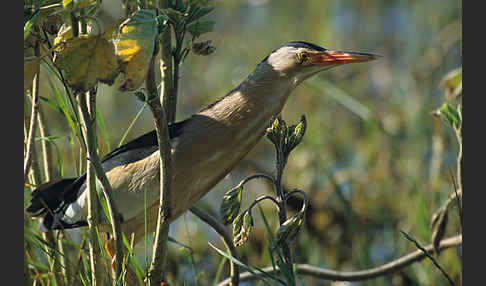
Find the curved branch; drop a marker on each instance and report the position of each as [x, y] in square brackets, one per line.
[256, 176]
[228, 241]
[302, 193]
[261, 198]
[382, 270]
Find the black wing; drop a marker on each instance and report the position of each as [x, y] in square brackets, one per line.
[139, 148]
[57, 195]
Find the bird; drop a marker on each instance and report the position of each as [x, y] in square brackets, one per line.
[205, 147]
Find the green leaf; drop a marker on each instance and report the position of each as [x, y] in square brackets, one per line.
[135, 45]
[174, 16]
[449, 114]
[248, 268]
[29, 25]
[161, 23]
[231, 204]
[201, 27]
[196, 12]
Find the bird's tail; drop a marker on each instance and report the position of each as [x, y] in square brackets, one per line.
[50, 199]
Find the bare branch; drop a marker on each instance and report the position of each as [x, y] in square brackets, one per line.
[228, 240]
[407, 236]
[371, 273]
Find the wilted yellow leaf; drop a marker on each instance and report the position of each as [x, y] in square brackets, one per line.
[86, 60]
[76, 4]
[135, 46]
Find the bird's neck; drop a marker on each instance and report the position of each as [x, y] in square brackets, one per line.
[253, 103]
[219, 136]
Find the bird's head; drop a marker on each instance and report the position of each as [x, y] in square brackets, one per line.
[300, 60]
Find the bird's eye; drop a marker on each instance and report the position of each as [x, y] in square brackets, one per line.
[303, 57]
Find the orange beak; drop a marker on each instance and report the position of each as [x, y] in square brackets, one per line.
[330, 57]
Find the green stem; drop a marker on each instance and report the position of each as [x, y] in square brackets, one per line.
[92, 218]
[282, 214]
[94, 159]
[74, 24]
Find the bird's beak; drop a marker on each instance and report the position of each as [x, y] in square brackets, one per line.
[331, 58]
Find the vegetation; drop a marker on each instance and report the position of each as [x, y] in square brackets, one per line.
[376, 177]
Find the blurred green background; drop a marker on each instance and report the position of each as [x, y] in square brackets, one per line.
[374, 161]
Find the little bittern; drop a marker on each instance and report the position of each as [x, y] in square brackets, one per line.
[204, 147]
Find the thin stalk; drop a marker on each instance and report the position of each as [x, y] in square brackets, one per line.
[27, 278]
[142, 4]
[33, 117]
[257, 176]
[59, 271]
[458, 188]
[261, 198]
[227, 239]
[49, 170]
[82, 21]
[167, 70]
[157, 270]
[74, 24]
[89, 122]
[28, 163]
[282, 214]
[51, 255]
[93, 217]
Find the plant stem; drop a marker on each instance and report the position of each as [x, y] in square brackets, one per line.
[282, 214]
[157, 273]
[89, 124]
[228, 241]
[33, 117]
[49, 170]
[93, 217]
[166, 69]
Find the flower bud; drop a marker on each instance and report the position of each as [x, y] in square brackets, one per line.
[295, 134]
[289, 229]
[241, 228]
[277, 129]
[231, 204]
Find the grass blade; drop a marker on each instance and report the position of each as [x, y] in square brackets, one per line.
[248, 268]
